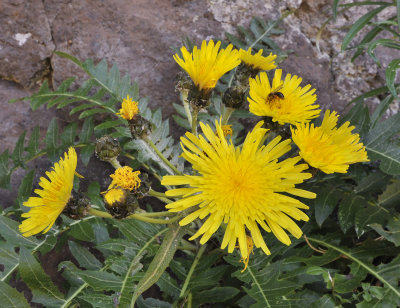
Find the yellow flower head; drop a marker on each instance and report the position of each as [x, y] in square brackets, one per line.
[126, 178]
[129, 108]
[53, 197]
[227, 130]
[284, 101]
[242, 187]
[208, 64]
[327, 147]
[114, 195]
[258, 61]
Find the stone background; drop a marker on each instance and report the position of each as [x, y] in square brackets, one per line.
[139, 36]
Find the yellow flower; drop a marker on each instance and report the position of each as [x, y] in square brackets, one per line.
[327, 147]
[114, 195]
[126, 178]
[53, 197]
[284, 101]
[208, 64]
[258, 61]
[242, 187]
[227, 130]
[129, 108]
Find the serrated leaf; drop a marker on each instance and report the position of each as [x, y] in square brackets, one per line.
[11, 298]
[372, 183]
[358, 25]
[69, 134]
[215, 295]
[82, 231]
[8, 258]
[86, 153]
[348, 208]
[33, 146]
[390, 231]
[94, 194]
[325, 203]
[85, 258]
[19, 149]
[25, 188]
[152, 303]
[43, 289]
[390, 74]
[380, 146]
[51, 135]
[161, 260]
[86, 131]
[9, 231]
[98, 300]
[100, 281]
[391, 195]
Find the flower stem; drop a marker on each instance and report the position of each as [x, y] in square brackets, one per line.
[98, 213]
[194, 121]
[115, 163]
[162, 157]
[154, 220]
[157, 214]
[192, 268]
[160, 196]
[226, 115]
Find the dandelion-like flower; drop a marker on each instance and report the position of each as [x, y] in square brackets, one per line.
[327, 147]
[285, 101]
[257, 61]
[114, 196]
[208, 64]
[53, 197]
[129, 108]
[242, 187]
[126, 178]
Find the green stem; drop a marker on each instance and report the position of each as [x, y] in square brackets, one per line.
[160, 196]
[115, 163]
[154, 220]
[162, 157]
[226, 115]
[362, 264]
[194, 121]
[157, 214]
[98, 213]
[192, 268]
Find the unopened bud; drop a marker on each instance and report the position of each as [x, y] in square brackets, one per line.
[139, 127]
[77, 206]
[107, 148]
[120, 203]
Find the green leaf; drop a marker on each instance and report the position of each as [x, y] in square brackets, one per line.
[98, 300]
[11, 298]
[33, 147]
[390, 231]
[69, 134]
[358, 25]
[353, 257]
[5, 173]
[391, 195]
[9, 259]
[215, 295]
[19, 150]
[82, 231]
[380, 146]
[325, 203]
[94, 194]
[9, 231]
[100, 281]
[86, 153]
[25, 188]
[372, 183]
[161, 260]
[334, 8]
[85, 258]
[152, 303]
[348, 207]
[86, 131]
[43, 289]
[370, 214]
[51, 135]
[398, 13]
[391, 73]
[381, 42]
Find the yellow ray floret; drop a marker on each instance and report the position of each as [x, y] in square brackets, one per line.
[243, 187]
[129, 108]
[329, 148]
[53, 197]
[126, 178]
[285, 101]
[208, 64]
[258, 61]
[114, 195]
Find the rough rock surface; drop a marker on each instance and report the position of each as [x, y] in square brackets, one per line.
[139, 36]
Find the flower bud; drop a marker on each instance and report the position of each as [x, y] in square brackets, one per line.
[139, 127]
[107, 148]
[77, 206]
[120, 203]
[234, 97]
[199, 99]
[144, 188]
